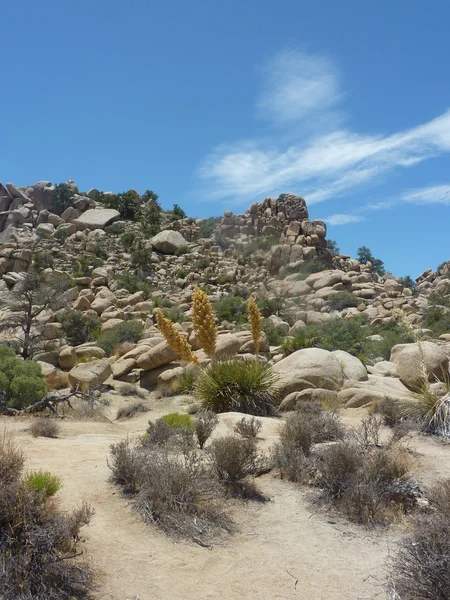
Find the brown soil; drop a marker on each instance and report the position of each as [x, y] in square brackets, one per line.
[285, 549]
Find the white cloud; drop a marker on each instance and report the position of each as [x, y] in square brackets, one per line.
[301, 89]
[343, 219]
[438, 194]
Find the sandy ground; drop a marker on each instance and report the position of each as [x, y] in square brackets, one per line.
[285, 549]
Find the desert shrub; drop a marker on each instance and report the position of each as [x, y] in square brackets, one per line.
[43, 260]
[238, 385]
[116, 228]
[364, 255]
[37, 542]
[61, 198]
[176, 492]
[204, 425]
[271, 306]
[85, 264]
[275, 335]
[43, 482]
[343, 299]
[158, 433]
[79, 328]
[391, 411]
[61, 235]
[234, 458]
[208, 226]
[181, 250]
[248, 427]
[178, 421]
[175, 314]
[12, 460]
[128, 331]
[21, 382]
[333, 247]
[231, 309]
[369, 431]
[222, 241]
[126, 203]
[129, 238]
[304, 269]
[421, 567]
[141, 259]
[133, 283]
[437, 318]
[43, 427]
[407, 282]
[126, 412]
[432, 412]
[260, 243]
[393, 333]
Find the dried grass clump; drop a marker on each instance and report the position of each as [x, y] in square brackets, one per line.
[174, 338]
[204, 321]
[248, 427]
[126, 412]
[43, 427]
[255, 321]
[38, 544]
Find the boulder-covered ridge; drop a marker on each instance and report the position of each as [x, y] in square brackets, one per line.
[120, 273]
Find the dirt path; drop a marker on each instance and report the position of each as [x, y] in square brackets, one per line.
[278, 542]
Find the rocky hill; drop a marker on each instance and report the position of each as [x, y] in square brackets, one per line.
[118, 268]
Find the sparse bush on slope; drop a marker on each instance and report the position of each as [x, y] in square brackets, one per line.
[21, 382]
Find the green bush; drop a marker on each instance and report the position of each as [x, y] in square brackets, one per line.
[181, 250]
[178, 421]
[128, 331]
[21, 382]
[178, 212]
[61, 198]
[175, 314]
[437, 318]
[333, 247]
[245, 386]
[261, 243]
[231, 309]
[222, 241]
[61, 235]
[275, 335]
[344, 299]
[364, 255]
[208, 226]
[271, 306]
[133, 283]
[141, 258]
[304, 269]
[44, 483]
[407, 282]
[129, 238]
[85, 264]
[43, 260]
[126, 203]
[115, 228]
[79, 328]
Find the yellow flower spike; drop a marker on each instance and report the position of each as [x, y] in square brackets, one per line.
[255, 319]
[176, 341]
[204, 321]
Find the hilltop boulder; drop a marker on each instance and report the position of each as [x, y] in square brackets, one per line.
[96, 218]
[168, 242]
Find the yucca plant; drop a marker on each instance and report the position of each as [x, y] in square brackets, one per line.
[204, 321]
[238, 385]
[255, 320]
[176, 341]
[432, 412]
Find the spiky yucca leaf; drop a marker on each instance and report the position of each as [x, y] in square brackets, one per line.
[204, 321]
[176, 341]
[245, 386]
[255, 319]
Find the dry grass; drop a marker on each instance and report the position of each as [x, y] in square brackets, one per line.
[126, 412]
[45, 427]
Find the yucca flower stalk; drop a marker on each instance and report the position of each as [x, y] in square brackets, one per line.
[255, 319]
[204, 321]
[176, 341]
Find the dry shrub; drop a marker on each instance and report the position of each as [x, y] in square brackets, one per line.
[175, 491]
[370, 486]
[421, 568]
[38, 544]
[204, 425]
[233, 460]
[248, 428]
[439, 496]
[369, 432]
[126, 412]
[44, 427]
[391, 411]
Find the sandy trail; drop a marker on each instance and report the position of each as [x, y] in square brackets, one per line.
[278, 542]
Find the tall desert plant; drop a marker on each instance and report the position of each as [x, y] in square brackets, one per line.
[175, 340]
[255, 320]
[204, 321]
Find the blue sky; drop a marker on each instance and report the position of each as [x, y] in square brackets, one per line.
[215, 105]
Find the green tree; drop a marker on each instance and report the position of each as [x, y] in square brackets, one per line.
[149, 195]
[333, 247]
[408, 282]
[62, 196]
[364, 256]
[178, 212]
[21, 382]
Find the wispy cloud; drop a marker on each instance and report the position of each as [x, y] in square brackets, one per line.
[438, 194]
[343, 219]
[321, 163]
